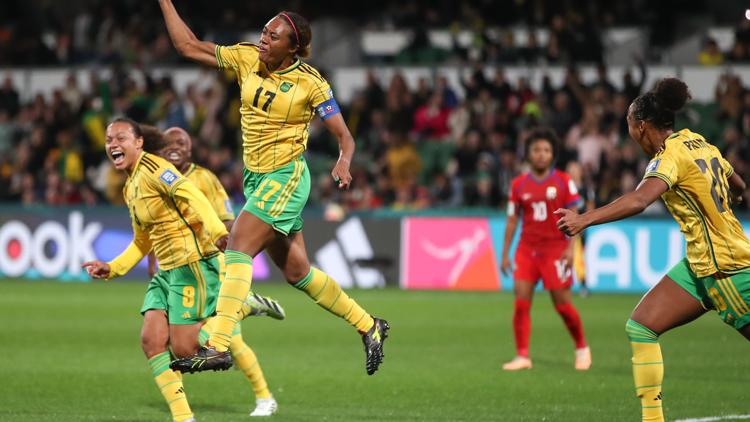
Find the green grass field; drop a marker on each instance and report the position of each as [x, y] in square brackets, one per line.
[73, 354]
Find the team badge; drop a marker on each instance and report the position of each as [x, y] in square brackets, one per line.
[652, 166]
[285, 87]
[168, 177]
[551, 192]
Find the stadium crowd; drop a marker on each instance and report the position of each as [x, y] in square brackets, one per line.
[418, 147]
[129, 31]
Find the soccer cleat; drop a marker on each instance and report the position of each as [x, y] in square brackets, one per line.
[257, 305]
[265, 407]
[373, 341]
[206, 359]
[518, 363]
[583, 358]
[188, 420]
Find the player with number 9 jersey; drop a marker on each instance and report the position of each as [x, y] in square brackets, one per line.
[543, 253]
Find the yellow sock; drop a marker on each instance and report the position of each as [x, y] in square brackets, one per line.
[648, 370]
[170, 385]
[205, 333]
[328, 294]
[247, 362]
[232, 295]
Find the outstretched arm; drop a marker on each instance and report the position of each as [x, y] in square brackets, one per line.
[183, 39]
[632, 203]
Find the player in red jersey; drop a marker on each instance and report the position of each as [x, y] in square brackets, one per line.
[543, 252]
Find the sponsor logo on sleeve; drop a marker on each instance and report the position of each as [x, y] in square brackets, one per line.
[168, 177]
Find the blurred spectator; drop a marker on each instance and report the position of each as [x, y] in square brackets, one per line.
[9, 97]
[710, 55]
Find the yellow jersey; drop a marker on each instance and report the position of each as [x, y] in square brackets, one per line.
[168, 213]
[698, 198]
[276, 107]
[209, 184]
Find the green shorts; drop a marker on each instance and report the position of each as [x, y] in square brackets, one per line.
[728, 294]
[188, 293]
[278, 197]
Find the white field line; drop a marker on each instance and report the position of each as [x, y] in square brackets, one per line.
[715, 418]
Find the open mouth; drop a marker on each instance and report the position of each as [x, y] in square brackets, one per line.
[118, 157]
[174, 156]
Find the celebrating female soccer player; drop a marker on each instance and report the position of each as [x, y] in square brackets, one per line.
[697, 185]
[543, 252]
[280, 95]
[175, 146]
[172, 216]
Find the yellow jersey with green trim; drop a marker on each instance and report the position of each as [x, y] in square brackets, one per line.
[207, 182]
[698, 198]
[276, 107]
[169, 214]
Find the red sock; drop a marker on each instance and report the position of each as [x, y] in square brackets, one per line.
[522, 326]
[569, 314]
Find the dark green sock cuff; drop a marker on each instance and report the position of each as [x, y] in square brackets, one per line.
[300, 285]
[237, 257]
[159, 363]
[638, 333]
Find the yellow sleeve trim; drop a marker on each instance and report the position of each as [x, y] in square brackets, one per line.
[173, 189]
[219, 62]
[660, 176]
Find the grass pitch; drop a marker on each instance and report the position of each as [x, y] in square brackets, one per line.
[72, 354]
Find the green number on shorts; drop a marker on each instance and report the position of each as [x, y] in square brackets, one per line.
[721, 305]
[188, 296]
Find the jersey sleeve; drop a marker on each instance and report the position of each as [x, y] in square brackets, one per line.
[322, 100]
[186, 191]
[572, 196]
[664, 166]
[217, 196]
[728, 169]
[239, 57]
[168, 180]
[132, 255]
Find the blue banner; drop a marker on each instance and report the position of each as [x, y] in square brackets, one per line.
[624, 256]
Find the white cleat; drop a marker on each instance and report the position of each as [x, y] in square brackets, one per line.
[518, 363]
[257, 305]
[265, 407]
[583, 359]
[189, 420]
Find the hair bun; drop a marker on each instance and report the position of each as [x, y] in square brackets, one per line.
[672, 94]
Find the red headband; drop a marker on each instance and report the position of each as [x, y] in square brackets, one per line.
[291, 23]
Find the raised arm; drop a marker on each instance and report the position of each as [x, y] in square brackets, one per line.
[183, 39]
